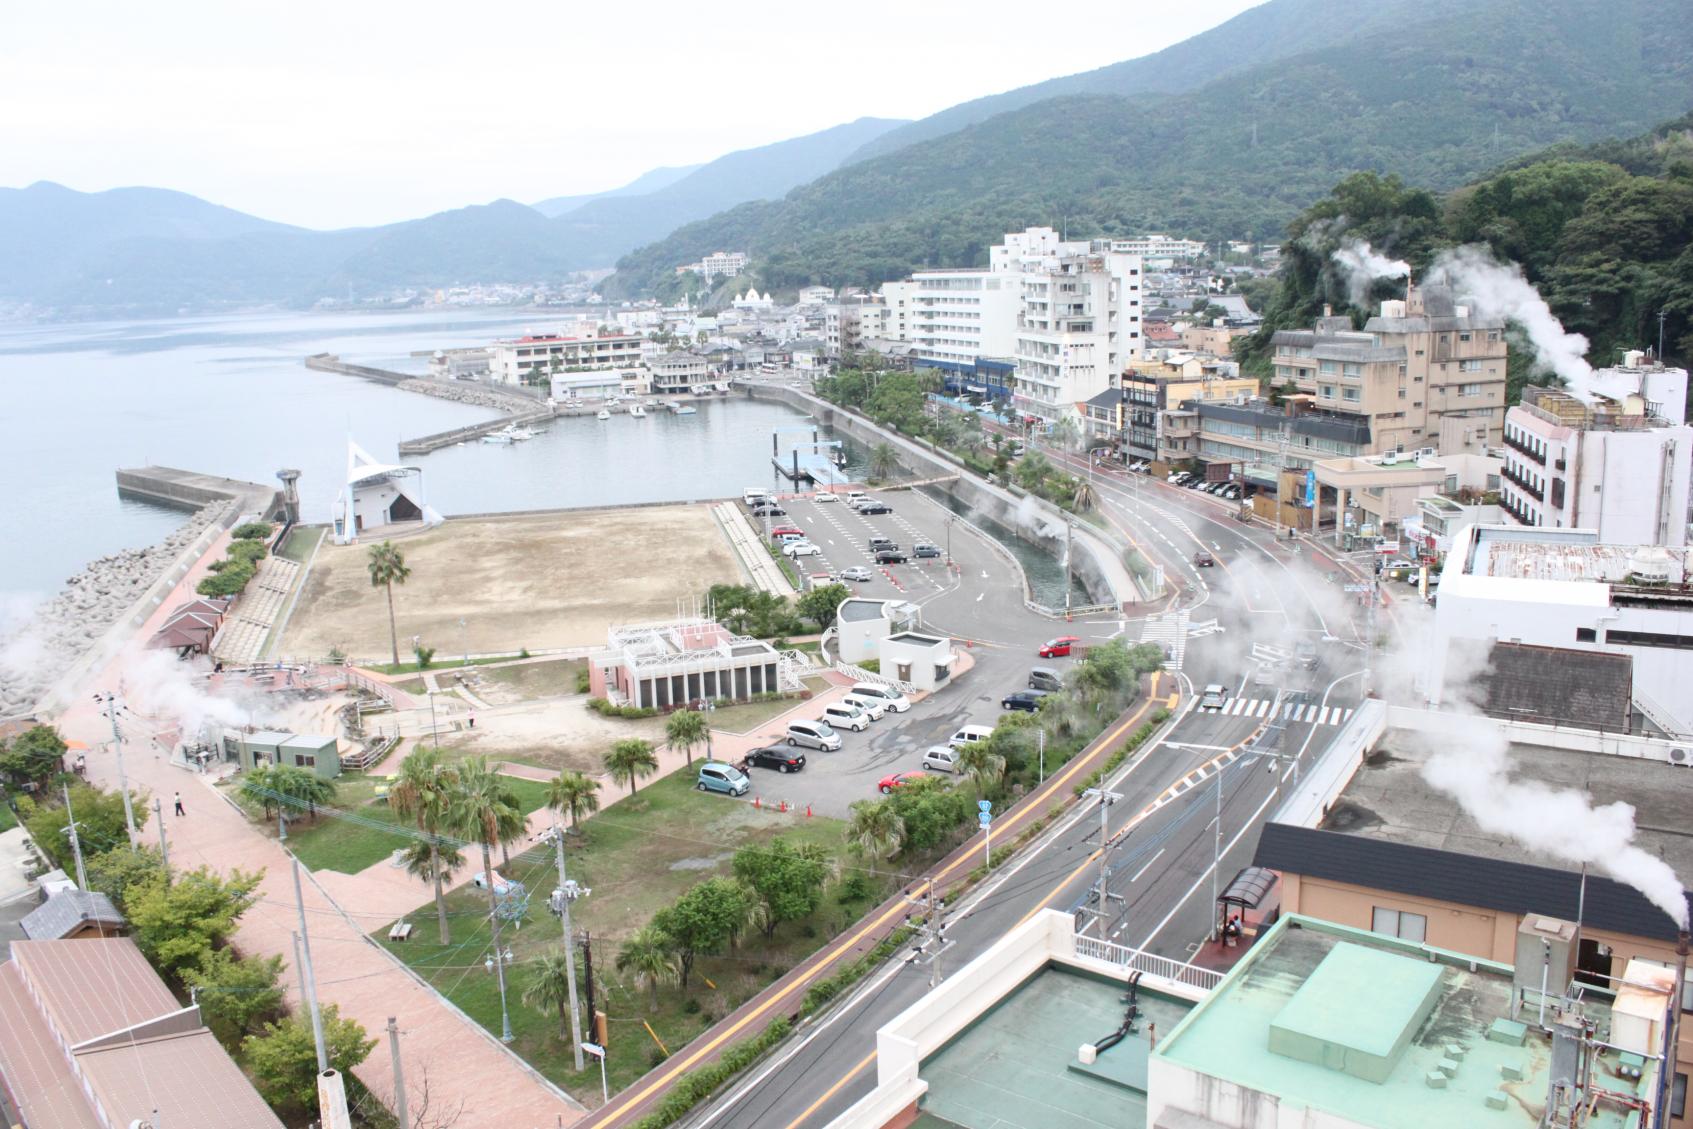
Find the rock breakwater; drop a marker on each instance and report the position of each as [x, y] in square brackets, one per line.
[475, 395]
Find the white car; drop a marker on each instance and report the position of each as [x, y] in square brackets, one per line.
[858, 573]
[874, 707]
[941, 758]
[801, 549]
[822, 497]
[887, 695]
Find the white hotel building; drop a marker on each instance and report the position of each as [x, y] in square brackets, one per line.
[512, 362]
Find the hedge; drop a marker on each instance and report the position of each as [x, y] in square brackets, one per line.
[252, 531]
[606, 709]
[825, 990]
[700, 1082]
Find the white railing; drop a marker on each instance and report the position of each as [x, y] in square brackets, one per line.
[791, 667]
[859, 674]
[1150, 963]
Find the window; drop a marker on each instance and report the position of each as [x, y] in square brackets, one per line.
[1399, 923]
[1586, 635]
[1649, 639]
[1469, 390]
[1463, 337]
[304, 760]
[1351, 395]
[1328, 368]
[1469, 366]
[1678, 1097]
[1325, 391]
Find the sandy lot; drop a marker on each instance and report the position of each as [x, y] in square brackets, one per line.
[552, 580]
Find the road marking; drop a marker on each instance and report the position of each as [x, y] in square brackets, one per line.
[833, 1090]
[1147, 867]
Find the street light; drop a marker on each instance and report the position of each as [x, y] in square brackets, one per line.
[948, 524]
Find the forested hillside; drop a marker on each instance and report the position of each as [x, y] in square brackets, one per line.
[1237, 158]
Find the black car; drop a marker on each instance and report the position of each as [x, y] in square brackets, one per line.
[769, 511]
[890, 556]
[779, 757]
[922, 550]
[875, 508]
[1028, 700]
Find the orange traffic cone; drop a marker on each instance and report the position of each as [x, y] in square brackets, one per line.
[756, 802]
[808, 811]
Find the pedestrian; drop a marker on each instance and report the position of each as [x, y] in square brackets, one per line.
[473, 721]
[179, 810]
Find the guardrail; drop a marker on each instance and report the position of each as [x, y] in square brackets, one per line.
[859, 674]
[1150, 963]
[1067, 613]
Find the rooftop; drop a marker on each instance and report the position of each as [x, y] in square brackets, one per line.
[1377, 1031]
[1016, 1067]
[1571, 555]
[67, 911]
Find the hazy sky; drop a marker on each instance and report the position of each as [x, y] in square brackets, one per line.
[363, 112]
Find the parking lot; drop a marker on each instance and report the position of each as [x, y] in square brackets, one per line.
[842, 535]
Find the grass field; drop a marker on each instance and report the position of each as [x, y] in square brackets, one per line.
[552, 679]
[636, 857]
[750, 715]
[328, 843]
[7, 819]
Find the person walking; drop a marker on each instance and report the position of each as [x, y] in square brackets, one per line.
[179, 810]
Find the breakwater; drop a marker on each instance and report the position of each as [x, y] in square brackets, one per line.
[520, 407]
[190, 490]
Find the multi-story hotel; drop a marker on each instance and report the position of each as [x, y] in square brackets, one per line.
[529, 358]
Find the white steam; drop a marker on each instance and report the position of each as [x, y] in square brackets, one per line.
[1560, 822]
[1498, 290]
[1032, 518]
[1363, 265]
[169, 692]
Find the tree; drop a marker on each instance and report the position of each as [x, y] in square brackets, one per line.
[98, 812]
[513, 822]
[423, 793]
[387, 566]
[433, 860]
[686, 730]
[930, 812]
[1064, 434]
[1081, 498]
[236, 994]
[547, 986]
[116, 873]
[875, 830]
[283, 1058]
[984, 766]
[630, 759]
[300, 787]
[476, 810]
[574, 792]
[179, 925]
[820, 604]
[884, 460]
[33, 755]
[648, 957]
[787, 883]
[703, 920]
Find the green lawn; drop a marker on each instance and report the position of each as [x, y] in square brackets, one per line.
[301, 544]
[440, 664]
[350, 845]
[636, 856]
[750, 715]
[552, 679]
[7, 819]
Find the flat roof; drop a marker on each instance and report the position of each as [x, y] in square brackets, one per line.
[1016, 1066]
[1387, 1017]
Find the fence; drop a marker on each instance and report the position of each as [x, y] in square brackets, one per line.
[859, 674]
[1152, 964]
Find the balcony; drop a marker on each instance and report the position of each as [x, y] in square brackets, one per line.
[1515, 511]
[1524, 450]
[1522, 483]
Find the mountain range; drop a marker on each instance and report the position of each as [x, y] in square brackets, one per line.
[1225, 135]
[152, 250]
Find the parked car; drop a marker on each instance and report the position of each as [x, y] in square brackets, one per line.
[754, 496]
[801, 549]
[1045, 678]
[890, 556]
[1059, 647]
[854, 497]
[1177, 476]
[858, 573]
[895, 779]
[715, 776]
[969, 735]
[787, 538]
[875, 508]
[778, 757]
[771, 510]
[824, 496]
[1202, 559]
[941, 758]
[814, 735]
[1025, 700]
[876, 543]
[874, 708]
[1214, 697]
[887, 695]
[924, 549]
[787, 530]
[840, 715]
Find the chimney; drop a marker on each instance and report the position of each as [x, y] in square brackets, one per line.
[1328, 310]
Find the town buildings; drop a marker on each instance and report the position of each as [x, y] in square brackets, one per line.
[1615, 466]
[718, 264]
[1151, 386]
[530, 359]
[1423, 373]
[1159, 247]
[678, 373]
[670, 665]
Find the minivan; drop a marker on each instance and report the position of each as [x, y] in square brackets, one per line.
[1045, 678]
[872, 708]
[890, 697]
[814, 735]
[841, 715]
[716, 776]
[1213, 697]
[784, 537]
[941, 758]
[969, 735]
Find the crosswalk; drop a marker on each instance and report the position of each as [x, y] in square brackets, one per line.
[1168, 631]
[1290, 711]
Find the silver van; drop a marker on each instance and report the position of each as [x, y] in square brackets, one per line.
[814, 735]
[941, 758]
[844, 715]
[1045, 678]
[890, 697]
[969, 735]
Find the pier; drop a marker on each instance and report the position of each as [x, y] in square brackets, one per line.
[191, 490]
[814, 465]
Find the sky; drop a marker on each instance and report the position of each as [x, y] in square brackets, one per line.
[365, 112]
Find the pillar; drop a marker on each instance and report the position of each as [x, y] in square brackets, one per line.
[1339, 514]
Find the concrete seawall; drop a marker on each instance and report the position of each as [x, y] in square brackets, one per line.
[1098, 563]
[190, 490]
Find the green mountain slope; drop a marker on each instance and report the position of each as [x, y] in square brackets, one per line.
[1237, 157]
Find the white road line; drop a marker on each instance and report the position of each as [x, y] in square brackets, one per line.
[1147, 867]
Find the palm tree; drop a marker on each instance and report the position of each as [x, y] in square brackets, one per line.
[1064, 434]
[574, 792]
[514, 821]
[425, 857]
[630, 759]
[475, 810]
[648, 958]
[884, 460]
[300, 787]
[983, 765]
[1082, 500]
[686, 729]
[387, 568]
[422, 792]
[258, 788]
[875, 830]
[548, 986]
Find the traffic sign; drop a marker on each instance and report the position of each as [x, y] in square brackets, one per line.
[984, 805]
[1358, 587]
[594, 1049]
[985, 818]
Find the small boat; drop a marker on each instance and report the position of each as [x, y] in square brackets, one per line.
[683, 409]
[499, 437]
[637, 411]
[603, 414]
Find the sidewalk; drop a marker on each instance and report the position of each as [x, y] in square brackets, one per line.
[456, 1057]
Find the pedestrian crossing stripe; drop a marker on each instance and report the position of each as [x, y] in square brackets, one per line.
[1290, 711]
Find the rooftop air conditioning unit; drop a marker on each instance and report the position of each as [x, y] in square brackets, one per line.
[1681, 756]
[1427, 453]
[1391, 458]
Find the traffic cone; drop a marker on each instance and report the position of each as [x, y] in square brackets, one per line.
[757, 802]
[808, 811]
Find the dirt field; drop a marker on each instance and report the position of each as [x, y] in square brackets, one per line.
[555, 580]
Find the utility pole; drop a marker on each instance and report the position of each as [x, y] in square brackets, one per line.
[1069, 540]
[117, 746]
[76, 843]
[1217, 849]
[1103, 894]
[1662, 314]
[568, 892]
[164, 851]
[588, 979]
[399, 1075]
[310, 979]
[1040, 746]
[933, 929]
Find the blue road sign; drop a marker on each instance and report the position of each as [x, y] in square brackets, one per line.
[985, 818]
[1310, 489]
[984, 805]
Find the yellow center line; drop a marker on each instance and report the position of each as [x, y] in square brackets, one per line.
[833, 1090]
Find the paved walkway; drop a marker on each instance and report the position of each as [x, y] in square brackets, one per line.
[457, 1057]
[748, 544]
[258, 609]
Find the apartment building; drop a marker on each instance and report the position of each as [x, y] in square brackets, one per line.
[1152, 387]
[1067, 335]
[958, 315]
[727, 264]
[1159, 247]
[679, 373]
[1424, 372]
[897, 304]
[527, 359]
[1258, 438]
[1609, 465]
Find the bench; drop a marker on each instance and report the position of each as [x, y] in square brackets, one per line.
[400, 932]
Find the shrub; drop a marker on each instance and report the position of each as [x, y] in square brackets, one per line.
[583, 683]
[606, 709]
[250, 551]
[252, 531]
[698, 1084]
[825, 990]
[855, 887]
[227, 581]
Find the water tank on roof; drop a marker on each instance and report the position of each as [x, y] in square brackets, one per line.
[1651, 564]
[1634, 358]
[1393, 308]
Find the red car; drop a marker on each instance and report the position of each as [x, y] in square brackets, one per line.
[895, 779]
[787, 531]
[1059, 647]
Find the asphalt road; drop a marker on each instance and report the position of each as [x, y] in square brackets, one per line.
[1164, 829]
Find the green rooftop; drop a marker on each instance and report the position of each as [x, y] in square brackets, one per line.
[1357, 1011]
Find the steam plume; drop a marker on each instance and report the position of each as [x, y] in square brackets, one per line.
[1362, 265]
[1561, 822]
[1499, 290]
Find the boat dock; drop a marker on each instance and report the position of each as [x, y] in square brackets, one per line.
[190, 490]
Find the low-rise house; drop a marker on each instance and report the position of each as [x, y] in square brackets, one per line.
[73, 913]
